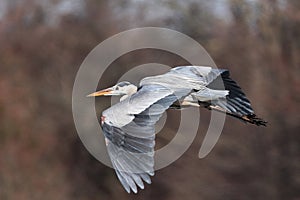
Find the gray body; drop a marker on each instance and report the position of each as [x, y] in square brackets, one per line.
[129, 126]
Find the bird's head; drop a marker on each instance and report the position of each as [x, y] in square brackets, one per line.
[120, 89]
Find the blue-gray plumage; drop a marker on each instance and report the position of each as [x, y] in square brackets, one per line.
[129, 126]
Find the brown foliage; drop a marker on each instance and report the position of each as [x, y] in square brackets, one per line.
[42, 157]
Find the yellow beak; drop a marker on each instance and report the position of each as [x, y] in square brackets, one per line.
[101, 93]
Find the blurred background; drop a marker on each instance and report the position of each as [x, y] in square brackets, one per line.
[43, 43]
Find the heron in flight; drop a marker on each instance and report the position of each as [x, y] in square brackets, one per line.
[129, 126]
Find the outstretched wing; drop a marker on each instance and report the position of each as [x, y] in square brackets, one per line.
[124, 112]
[192, 77]
[203, 75]
[131, 147]
[235, 103]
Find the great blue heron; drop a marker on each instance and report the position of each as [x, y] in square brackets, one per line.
[129, 126]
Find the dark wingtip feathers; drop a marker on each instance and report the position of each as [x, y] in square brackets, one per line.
[254, 120]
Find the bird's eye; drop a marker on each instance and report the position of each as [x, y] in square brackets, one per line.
[117, 88]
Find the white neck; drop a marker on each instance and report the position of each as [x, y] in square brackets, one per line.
[124, 97]
[130, 91]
